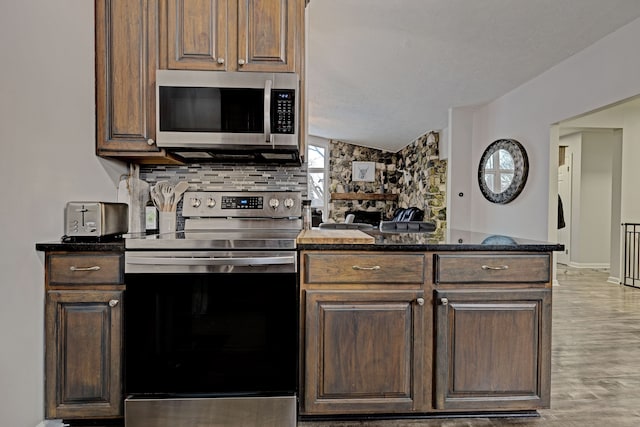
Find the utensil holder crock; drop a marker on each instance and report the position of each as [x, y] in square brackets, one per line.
[167, 223]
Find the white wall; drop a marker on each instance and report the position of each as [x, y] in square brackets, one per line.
[596, 178]
[462, 172]
[606, 72]
[592, 196]
[630, 211]
[615, 232]
[47, 135]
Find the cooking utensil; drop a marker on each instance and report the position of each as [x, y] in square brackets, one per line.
[159, 190]
[179, 190]
[139, 190]
[134, 192]
[167, 196]
[157, 196]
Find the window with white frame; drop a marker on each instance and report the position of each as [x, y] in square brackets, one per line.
[499, 171]
[318, 172]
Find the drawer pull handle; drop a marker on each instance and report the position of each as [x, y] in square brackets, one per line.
[113, 302]
[499, 267]
[94, 268]
[357, 267]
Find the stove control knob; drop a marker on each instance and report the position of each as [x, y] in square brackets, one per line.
[195, 202]
[289, 203]
[211, 203]
[274, 203]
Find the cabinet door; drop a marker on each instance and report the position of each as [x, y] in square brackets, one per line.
[197, 34]
[363, 351]
[265, 35]
[492, 349]
[126, 62]
[83, 346]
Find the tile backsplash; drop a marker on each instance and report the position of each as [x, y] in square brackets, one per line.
[232, 177]
[229, 177]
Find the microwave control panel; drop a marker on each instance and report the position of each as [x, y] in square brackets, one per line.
[283, 111]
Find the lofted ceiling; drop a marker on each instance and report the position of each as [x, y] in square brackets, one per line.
[381, 73]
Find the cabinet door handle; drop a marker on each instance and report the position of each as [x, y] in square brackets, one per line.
[220, 61]
[357, 267]
[497, 267]
[241, 62]
[420, 301]
[94, 268]
[444, 301]
[113, 302]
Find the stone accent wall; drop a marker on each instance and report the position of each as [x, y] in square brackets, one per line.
[340, 170]
[424, 184]
[415, 173]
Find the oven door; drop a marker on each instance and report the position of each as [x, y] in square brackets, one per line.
[199, 344]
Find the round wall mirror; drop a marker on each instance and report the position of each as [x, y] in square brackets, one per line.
[503, 170]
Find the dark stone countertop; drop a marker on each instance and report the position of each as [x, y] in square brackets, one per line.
[108, 245]
[446, 240]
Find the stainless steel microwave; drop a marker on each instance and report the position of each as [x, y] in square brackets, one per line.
[227, 115]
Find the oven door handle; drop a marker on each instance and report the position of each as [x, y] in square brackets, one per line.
[248, 261]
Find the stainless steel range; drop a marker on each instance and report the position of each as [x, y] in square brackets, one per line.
[211, 315]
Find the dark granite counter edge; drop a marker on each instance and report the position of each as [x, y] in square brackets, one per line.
[119, 246]
[434, 247]
[116, 246]
[451, 240]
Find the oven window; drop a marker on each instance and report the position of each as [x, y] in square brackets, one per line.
[208, 109]
[226, 334]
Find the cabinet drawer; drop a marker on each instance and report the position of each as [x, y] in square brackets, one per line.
[86, 269]
[530, 268]
[364, 268]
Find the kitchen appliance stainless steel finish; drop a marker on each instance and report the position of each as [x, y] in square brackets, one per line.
[212, 315]
[95, 219]
[222, 412]
[206, 115]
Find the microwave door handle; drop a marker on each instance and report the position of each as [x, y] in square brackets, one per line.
[267, 112]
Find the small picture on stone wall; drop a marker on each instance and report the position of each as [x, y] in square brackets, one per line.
[363, 171]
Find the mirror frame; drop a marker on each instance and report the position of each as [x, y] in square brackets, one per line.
[520, 173]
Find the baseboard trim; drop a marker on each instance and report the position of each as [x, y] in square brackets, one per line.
[52, 423]
[594, 265]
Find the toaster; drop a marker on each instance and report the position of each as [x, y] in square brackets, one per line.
[87, 220]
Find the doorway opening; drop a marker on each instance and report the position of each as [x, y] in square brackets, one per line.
[597, 185]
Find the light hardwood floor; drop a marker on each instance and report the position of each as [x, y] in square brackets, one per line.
[595, 360]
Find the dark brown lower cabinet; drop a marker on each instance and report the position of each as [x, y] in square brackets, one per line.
[363, 351]
[83, 346]
[492, 349]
